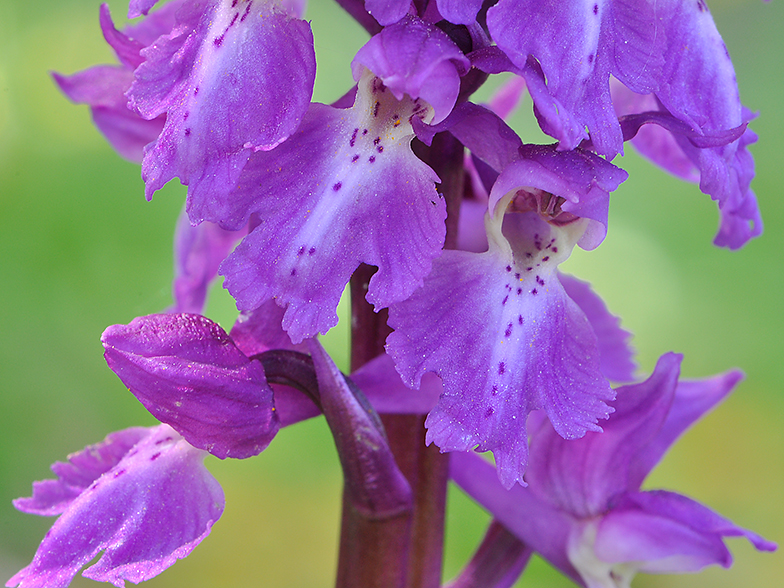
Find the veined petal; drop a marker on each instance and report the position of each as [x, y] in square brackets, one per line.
[581, 477]
[505, 338]
[222, 59]
[693, 399]
[53, 497]
[355, 195]
[151, 508]
[188, 373]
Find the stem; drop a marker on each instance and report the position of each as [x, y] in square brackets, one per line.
[401, 551]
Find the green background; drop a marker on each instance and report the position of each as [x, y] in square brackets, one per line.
[81, 249]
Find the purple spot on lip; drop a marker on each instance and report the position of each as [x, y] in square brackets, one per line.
[546, 258]
[293, 271]
[494, 390]
[234, 3]
[501, 367]
[353, 139]
[311, 251]
[509, 268]
[196, 90]
[233, 20]
[520, 318]
[353, 159]
[372, 158]
[505, 299]
[519, 291]
[377, 140]
[218, 41]
[596, 9]
[489, 413]
[155, 456]
[364, 132]
[555, 249]
[337, 186]
[247, 10]
[187, 132]
[301, 251]
[380, 148]
[119, 473]
[534, 292]
[185, 116]
[375, 109]
[508, 332]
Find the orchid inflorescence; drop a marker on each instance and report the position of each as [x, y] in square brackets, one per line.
[449, 232]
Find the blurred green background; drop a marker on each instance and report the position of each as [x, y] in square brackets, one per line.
[81, 249]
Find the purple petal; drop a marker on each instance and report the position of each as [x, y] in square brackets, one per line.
[260, 330]
[127, 49]
[357, 195]
[459, 11]
[152, 508]
[664, 532]
[188, 373]
[103, 89]
[198, 252]
[581, 182]
[387, 12]
[617, 356]
[692, 400]
[53, 497]
[203, 73]
[140, 7]
[418, 59]
[505, 339]
[580, 477]
[383, 387]
[538, 524]
[374, 483]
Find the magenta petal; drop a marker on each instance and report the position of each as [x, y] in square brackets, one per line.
[103, 88]
[260, 330]
[151, 508]
[357, 195]
[387, 12]
[692, 400]
[188, 373]
[415, 58]
[617, 356]
[198, 252]
[668, 533]
[581, 477]
[203, 73]
[52, 497]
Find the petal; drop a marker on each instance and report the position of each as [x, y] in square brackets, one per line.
[152, 508]
[382, 385]
[666, 532]
[693, 399]
[187, 372]
[501, 333]
[580, 179]
[203, 73]
[103, 88]
[259, 330]
[418, 59]
[387, 12]
[617, 356]
[581, 476]
[459, 11]
[52, 497]
[198, 252]
[356, 195]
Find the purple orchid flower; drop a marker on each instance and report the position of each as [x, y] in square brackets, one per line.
[356, 191]
[142, 497]
[583, 509]
[498, 327]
